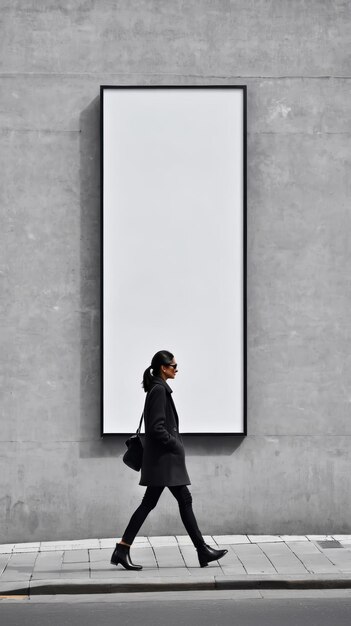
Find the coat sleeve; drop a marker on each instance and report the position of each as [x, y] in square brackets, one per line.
[155, 425]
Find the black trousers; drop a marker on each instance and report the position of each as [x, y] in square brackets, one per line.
[149, 501]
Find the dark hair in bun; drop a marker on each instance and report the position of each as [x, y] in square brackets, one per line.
[163, 357]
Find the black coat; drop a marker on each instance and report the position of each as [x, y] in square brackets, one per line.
[164, 456]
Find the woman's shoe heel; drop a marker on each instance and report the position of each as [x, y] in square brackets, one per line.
[203, 562]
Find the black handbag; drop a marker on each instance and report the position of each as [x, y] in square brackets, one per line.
[133, 457]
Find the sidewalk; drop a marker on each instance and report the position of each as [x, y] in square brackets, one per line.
[170, 563]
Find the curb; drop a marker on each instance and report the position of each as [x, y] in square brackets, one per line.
[58, 587]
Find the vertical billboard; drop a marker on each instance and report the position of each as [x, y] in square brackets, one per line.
[173, 181]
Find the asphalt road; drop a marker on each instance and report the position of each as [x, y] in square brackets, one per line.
[207, 608]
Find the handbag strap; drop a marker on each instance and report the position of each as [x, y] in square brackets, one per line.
[142, 415]
[139, 427]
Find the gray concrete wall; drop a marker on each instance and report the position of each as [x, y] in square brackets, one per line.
[291, 473]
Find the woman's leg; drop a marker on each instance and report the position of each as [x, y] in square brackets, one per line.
[183, 495]
[149, 501]
[205, 553]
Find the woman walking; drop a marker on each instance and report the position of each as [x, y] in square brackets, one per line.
[163, 463]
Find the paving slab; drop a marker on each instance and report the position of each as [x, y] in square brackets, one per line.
[59, 547]
[119, 571]
[264, 538]
[163, 541]
[318, 564]
[303, 547]
[173, 572]
[76, 556]
[103, 566]
[230, 558]
[100, 555]
[206, 572]
[6, 548]
[27, 547]
[209, 540]
[99, 569]
[47, 565]
[312, 558]
[19, 567]
[319, 537]
[340, 557]
[189, 555]
[106, 543]
[283, 559]
[184, 540]
[141, 539]
[69, 545]
[144, 556]
[294, 537]
[253, 559]
[230, 539]
[4, 559]
[23, 550]
[233, 570]
[47, 575]
[168, 556]
[75, 570]
[230, 563]
[45, 558]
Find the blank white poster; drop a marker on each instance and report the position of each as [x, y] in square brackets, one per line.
[173, 252]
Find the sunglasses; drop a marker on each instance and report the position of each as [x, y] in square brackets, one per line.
[174, 365]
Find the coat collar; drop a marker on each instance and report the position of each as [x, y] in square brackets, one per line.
[159, 381]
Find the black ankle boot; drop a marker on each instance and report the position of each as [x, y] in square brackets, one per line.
[121, 555]
[207, 554]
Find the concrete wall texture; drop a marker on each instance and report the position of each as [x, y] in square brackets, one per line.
[291, 474]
